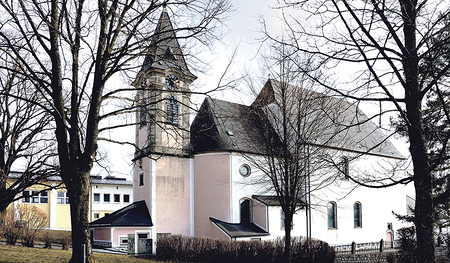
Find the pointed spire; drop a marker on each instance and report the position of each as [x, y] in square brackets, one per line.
[165, 51]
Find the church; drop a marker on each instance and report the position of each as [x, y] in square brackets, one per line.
[196, 177]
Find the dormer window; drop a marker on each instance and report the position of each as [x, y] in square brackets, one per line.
[169, 54]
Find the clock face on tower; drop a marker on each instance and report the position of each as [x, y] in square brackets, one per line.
[172, 81]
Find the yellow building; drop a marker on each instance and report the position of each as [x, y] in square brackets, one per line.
[106, 196]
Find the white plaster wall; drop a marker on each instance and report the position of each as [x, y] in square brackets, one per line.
[110, 189]
[377, 204]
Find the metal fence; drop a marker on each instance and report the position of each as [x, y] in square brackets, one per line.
[361, 248]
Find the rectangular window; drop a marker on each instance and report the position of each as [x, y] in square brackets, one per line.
[62, 198]
[116, 198]
[141, 179]
[106, 198]
[126, 198]
[123, 241]
[96, 197]
[106, 214]
[96, 215]
[35, 197]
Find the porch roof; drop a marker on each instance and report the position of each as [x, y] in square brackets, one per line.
[234, 230]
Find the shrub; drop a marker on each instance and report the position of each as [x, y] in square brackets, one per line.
[65, 241]
[23, 222]
[197, 249]
[407, 240]
[10, 231]
[48, 239]
[32, 220]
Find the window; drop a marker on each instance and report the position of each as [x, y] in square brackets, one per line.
[96, 215]
[245, 211]
[35, 197]
[344, 167]
[141, 179]
[244, 170]
[143, 114]
[142, 235]
[172, 110]
[332, 215]
[106, 198]
[357, 215]
[126, 198]
[96, 197]
[116, 198]
[62, 198]
[106, 214]
[123, 241]
[283, 216]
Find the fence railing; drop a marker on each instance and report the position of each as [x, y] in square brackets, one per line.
[360, 248]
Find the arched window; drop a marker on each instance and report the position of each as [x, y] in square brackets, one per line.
[246, 211]
[357, 210]
[172, 110]
[332, 224]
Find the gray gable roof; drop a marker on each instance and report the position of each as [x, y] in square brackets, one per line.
[325, 120]
[240, 230]
[221, 125]
[135, 214]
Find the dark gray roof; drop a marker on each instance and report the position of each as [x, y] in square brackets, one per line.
[135, 214]
[271, 200]
[239, 230]
[328, 121]
[222, 125]
[165, 51]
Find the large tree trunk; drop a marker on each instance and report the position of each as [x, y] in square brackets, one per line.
[78, 190]
[287, 234]
[413, 102]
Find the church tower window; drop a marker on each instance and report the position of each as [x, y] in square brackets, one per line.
[142, 114]
[172, 110]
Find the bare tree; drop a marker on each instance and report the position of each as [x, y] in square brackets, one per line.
[73, 48]
[376, 49]
[26, 141]
[304, 139]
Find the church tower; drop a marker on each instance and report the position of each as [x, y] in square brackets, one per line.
[162, 162]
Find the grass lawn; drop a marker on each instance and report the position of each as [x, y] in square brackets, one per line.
[25, 254]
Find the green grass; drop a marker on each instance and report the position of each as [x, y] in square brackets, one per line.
[25, 254]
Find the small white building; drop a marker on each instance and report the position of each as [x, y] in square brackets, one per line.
[109, 194]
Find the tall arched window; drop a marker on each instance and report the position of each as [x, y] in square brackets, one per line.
[246, 211]
[332, 224]
[172, 110]
[357, 210]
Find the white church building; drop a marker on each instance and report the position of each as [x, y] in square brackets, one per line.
[196, 179]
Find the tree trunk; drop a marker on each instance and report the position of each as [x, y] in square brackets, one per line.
[287, 237]
[417, 140]
[78, 191]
